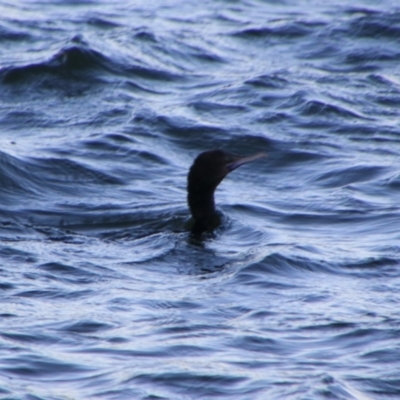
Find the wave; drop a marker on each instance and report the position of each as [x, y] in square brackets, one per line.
[375, 25]
[267, 81]
[10, 35]
[36, 175]
[345, 176]
[80, 63]
[291, 30]
[68, 64]
[273, 270]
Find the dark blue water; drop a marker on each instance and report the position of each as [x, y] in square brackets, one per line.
[105, 294]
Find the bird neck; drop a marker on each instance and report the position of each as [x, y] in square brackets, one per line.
[201, 204]
[202, 208]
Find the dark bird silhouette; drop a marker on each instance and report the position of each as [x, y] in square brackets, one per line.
[206, 173]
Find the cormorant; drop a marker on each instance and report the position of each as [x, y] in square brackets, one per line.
[206, 173]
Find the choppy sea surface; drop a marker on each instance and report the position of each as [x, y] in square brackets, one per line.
[104, 292]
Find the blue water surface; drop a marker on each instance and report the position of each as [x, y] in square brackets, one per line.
[104, 292]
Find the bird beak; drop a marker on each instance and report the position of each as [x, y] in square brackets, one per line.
[238, 161]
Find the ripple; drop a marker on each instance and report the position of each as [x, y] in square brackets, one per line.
[66, 273]
[376, 25]
[54, 294]
[88, 327]
[320, 108]
[37, 367]
[204, 384]
[292, 30]
[349, 175]
[277, 264]
[264, 345]
[268, 81]
[36, 176]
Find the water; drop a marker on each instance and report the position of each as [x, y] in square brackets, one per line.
[104, 293]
